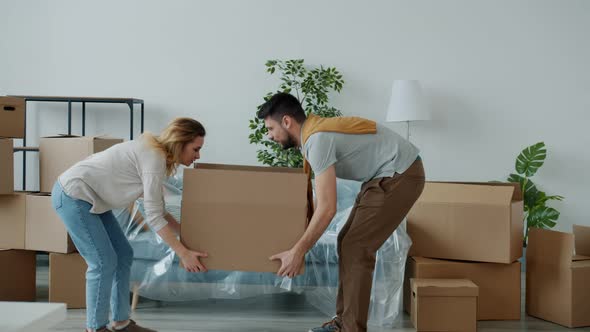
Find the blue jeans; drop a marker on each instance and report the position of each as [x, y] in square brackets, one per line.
[104, 247]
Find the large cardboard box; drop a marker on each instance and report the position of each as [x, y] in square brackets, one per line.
[17, 280]
[12, 117]
[557, 281]
[444, 304]
[67, 280]
[12, 221]
[499, 284]
[58, 153]
[468, 221]
[6, 166]
[45, 231]
[242, 215]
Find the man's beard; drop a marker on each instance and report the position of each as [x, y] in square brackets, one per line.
[290, 143]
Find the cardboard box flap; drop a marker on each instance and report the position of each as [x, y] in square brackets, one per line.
[471, 193]
[582, 240]
[550, 247]
[580, 258]
[248, 168]
[443, 287]
[516, 195]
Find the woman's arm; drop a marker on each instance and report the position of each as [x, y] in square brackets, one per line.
[173, 223]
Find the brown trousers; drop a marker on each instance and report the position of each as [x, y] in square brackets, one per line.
[380, 207]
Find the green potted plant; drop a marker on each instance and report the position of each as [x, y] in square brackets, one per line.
[311, 85]
[536, 211]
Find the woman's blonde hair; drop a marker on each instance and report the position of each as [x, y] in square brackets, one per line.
[173, 138]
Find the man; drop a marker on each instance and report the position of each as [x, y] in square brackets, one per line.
[356, 149]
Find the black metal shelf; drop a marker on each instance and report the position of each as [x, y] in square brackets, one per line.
[131, 102]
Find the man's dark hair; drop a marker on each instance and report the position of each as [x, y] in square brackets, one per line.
[282, 104]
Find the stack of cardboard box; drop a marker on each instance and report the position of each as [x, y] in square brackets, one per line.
[470, 231]
[28, 222]
[19, 283]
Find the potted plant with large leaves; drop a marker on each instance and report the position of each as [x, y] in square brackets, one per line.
[312, 87]
[536, 211]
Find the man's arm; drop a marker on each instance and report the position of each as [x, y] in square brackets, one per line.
[325, 185]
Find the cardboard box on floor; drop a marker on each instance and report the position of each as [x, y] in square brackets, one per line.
[499, 284]
[45, 230]
[444, 304]
[242, 215]
[6, 166]
[67, 280]
[58, 153]
[17, 280]
[12, 117]
[12, 221]
[557, 281]
[468, 221]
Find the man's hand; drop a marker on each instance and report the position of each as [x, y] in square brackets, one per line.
[291, 262]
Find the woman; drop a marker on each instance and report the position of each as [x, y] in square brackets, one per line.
[85, 194]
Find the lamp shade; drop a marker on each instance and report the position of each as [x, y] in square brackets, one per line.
[407, 102]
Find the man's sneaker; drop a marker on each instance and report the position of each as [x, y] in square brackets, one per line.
[133, 327]
[335, 325]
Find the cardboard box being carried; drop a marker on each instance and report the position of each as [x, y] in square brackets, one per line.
[499, 284]
[468, 221]
[12, 117]
[58, 153]
[557, 281]
[242, 215]
[17, 280]
[6, 166]
[67, 280]
[12, 221]
[444, 304]
[45, 230]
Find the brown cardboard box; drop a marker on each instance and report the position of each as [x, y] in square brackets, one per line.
[45, 230]
[12, 117]
[58, 153]
[6, 167]
[67, 280]
[242, 215]
[12, 221]
[17, 280]
[468, 221]
[499, 284]
[444, 304]
[557, 281]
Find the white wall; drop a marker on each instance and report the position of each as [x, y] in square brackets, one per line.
[500, 75]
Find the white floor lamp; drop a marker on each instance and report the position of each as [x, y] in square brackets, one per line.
[407, 104]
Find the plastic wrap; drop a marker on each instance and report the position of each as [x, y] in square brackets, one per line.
[157, 273]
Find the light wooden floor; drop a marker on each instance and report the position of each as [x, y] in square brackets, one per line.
[276, 313]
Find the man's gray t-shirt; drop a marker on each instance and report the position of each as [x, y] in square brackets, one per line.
[360, 157]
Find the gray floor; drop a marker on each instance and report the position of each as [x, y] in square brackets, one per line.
[276, 313]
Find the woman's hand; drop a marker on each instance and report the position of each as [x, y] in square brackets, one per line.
[190, 260]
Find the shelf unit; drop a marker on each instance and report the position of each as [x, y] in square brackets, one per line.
[131, 102]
